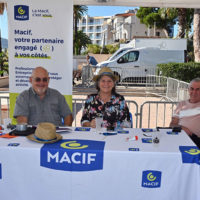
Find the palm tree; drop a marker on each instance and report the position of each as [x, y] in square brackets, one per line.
[184, 17]
[181, 22]
[78, 12]
[196, 37]
[81, 41]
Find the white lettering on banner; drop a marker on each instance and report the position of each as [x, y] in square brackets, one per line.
[76, 158]
[150, 183]
[90, 159]
[55, 156]
[65, 158]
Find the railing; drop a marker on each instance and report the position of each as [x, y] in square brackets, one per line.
[177, 90]
[137, 75]
[78, 106]
[156, 85]
[170, 88]
[5, 106]
[156, 113]
[150, 114]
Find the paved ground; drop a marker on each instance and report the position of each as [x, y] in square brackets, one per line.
[4, 83]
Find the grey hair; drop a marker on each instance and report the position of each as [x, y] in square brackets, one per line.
[194, 80]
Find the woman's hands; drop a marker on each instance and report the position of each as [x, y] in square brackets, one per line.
[91, 124]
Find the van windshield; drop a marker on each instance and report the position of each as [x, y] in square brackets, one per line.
[118, 54]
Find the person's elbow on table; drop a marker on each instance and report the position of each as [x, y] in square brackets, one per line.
[68, 120]
[186, 130]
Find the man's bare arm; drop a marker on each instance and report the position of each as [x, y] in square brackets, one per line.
[175, 122]
[68, 120]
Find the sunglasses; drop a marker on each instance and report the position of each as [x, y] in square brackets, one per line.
[37, 79]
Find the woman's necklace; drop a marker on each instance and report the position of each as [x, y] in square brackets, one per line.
[105, 98]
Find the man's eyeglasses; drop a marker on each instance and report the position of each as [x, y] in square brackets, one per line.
[37, 79]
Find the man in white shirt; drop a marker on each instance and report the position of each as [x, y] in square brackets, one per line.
[187, 113]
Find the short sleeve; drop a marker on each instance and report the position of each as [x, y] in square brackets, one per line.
[63, 107]
[21, 105]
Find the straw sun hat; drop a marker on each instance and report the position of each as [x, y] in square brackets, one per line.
[45, 133]
[107, 72]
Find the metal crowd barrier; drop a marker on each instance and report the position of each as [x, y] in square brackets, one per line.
[134, 75]
[150, 114]
[176, 90]
[78, 106]
[5, 107]
[156, 113]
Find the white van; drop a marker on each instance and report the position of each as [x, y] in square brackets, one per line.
[118, 53]
[140, 62]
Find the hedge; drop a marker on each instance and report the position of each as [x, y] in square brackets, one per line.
[181, 71]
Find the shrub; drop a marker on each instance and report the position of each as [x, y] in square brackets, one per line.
[181, 71]
[93, 48]
[112, 48]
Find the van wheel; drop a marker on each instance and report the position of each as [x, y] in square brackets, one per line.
[116, 74]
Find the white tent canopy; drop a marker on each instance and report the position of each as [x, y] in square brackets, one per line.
[144, 3]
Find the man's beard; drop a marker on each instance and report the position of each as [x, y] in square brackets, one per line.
[40, 91]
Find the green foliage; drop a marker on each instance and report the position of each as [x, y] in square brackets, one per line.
[190, 51]
[81, 41]
[4, 63]
[94, 48]
[104, 50]
[181, 71]
[155, 16]
[112, 48]
[78, 12]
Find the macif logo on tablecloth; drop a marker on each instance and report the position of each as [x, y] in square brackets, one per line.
[151, 179]
[190, 154]
[73, 155]
[21, 12]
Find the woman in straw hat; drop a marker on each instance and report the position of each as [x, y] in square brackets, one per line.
[106, 103]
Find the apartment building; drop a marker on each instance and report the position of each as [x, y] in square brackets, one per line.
[92, 26]
[124, 26]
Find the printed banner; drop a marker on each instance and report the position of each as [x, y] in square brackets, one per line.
[73, 155]
[40, 34]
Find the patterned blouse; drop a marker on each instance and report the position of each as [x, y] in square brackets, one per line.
[113, 112]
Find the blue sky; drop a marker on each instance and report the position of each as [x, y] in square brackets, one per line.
[4, 25]
[95, 11]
